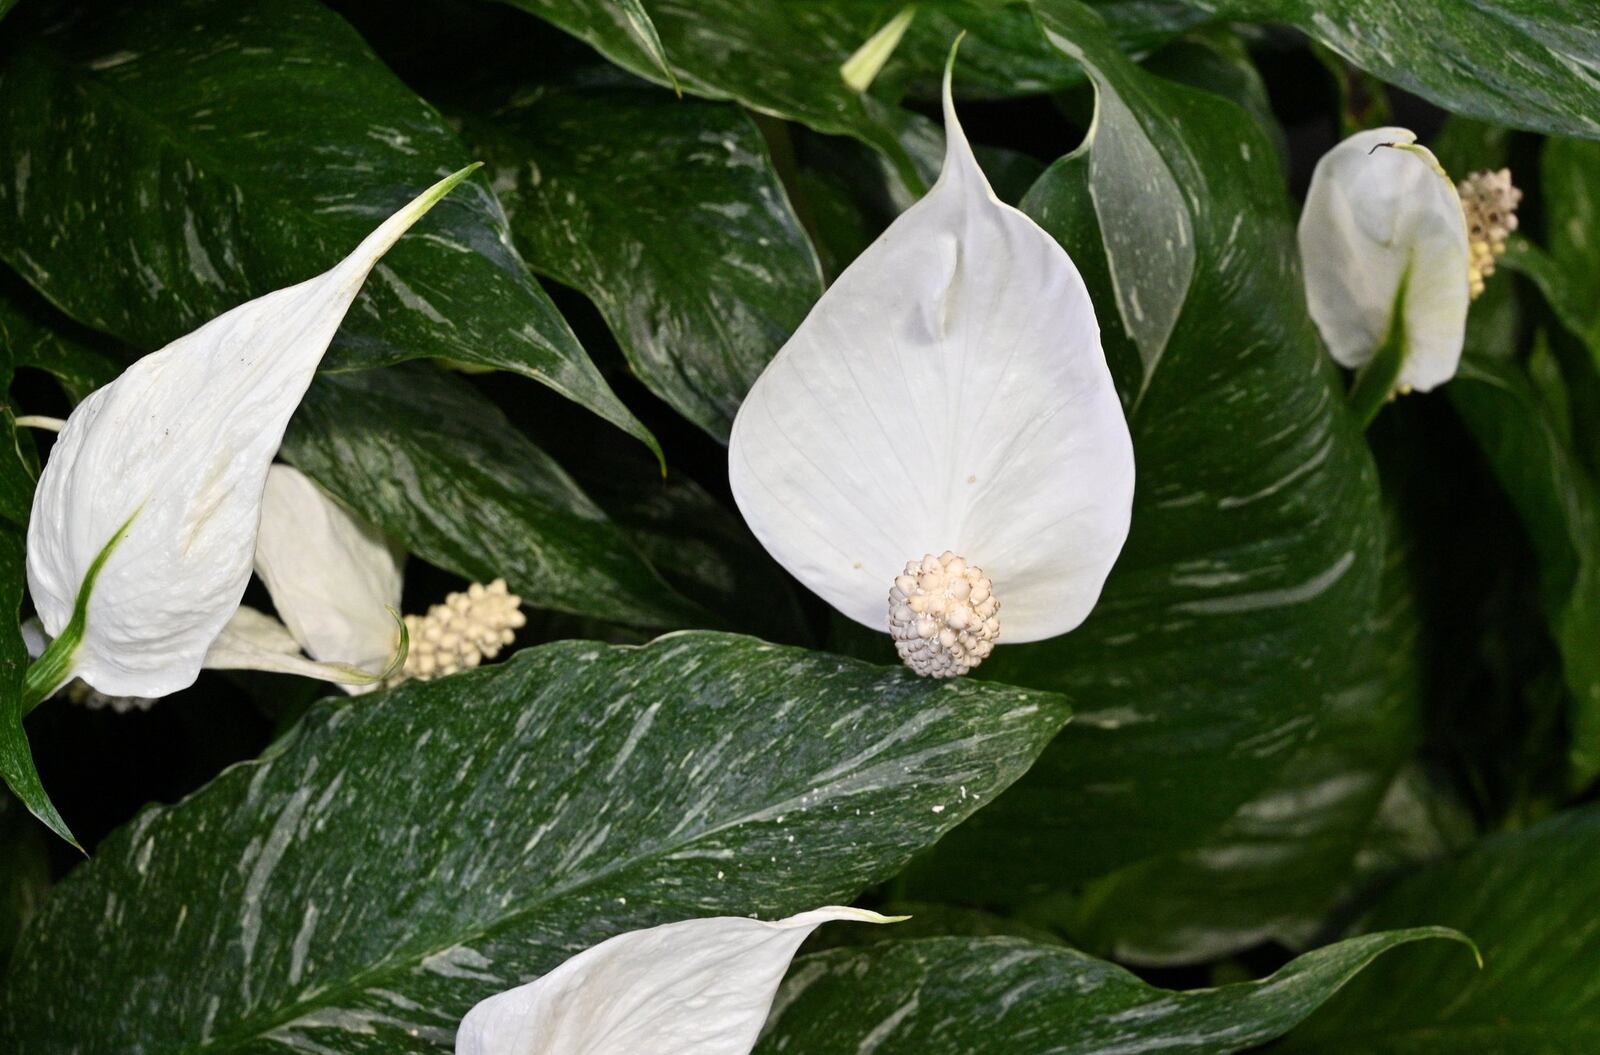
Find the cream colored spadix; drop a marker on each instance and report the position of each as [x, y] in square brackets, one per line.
[177, 449]
[948, 393]
[700, 987]
[1382, 230]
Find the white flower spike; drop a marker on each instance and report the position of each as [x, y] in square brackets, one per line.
[947, 402]
[1384, 246]
[144, 521]
[700, 987]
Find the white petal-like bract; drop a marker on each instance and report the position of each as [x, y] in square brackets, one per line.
[177, 449]
[949, 392]
[333, 577]
[1381, 214]
[700, 987]
[253, 640]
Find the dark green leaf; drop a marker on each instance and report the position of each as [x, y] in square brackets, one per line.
[667, 214]
[783, 58]
[1529, 64]
[423, 456]
[1252, 566]
[1560, 508]
[1527, 899]
[16, 758]
[401, 857]
[43, 339]
[24, 873]
[1277, 867]
[168, 160]
[962, 995]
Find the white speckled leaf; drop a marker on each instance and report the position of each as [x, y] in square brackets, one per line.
[163, 160]
[1530, 64]
[668, 215]
[424, 457]
[1145, 220]
[955, 996]
[400, 858]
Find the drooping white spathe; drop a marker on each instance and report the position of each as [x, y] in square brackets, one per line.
[334, 578]
[948, 393]
[1381, 214]
[177, 448]
[700, 987]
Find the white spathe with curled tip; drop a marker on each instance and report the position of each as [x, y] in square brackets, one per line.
[949, 393]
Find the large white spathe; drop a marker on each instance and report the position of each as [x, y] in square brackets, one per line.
[700, 987]
[177, 450]
[948, 393]
[334, 578]
[1382, 215]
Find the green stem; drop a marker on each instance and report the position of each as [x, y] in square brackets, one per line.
[1375, 382]
[52, 669]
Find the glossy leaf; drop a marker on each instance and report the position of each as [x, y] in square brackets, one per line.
[24, 873]
[196, 105]
[1527, 65]
[668, 215]
[16, 757]
[1252, 565]
[783, 58]
[1527, 901]
[1560, 507]
[422, 456]
[951, 996]
[1276, 868]
[400, 858]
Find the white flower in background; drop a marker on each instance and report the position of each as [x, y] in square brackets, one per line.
[945, 408]
[144, 520]
[1389, 264]
[700, 987]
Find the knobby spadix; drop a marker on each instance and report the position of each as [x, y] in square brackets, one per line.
[941, 436]
[700, 987]
[155, 484]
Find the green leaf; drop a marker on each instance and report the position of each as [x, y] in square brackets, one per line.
[24, 873]
[1252, 565]
[645, 30]
[1527, 899]
[403, 856]
[668, 215]
[172, 159]
[961, 995]
[41, 338]
[1277, 867]
[1560, 508]
[418, 452]
[16, 757]
[783, 59]
[1527, 65]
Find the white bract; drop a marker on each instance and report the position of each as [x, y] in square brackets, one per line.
[1382, 232]
[947, 399]
[700, 987]
[158, 478]
[334, 579]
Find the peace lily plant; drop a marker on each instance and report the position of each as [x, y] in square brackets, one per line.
[1393, 253]
[941, 436]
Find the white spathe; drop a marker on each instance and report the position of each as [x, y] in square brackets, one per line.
[253, 640]
[178, 449]
[334, 578]
[700, 987]
[949, 392]
[1382, 213]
